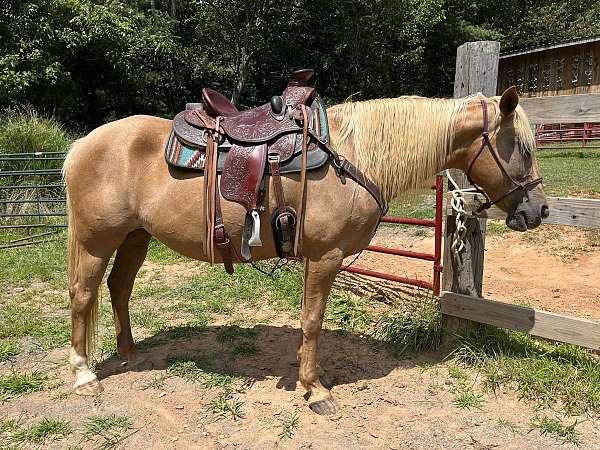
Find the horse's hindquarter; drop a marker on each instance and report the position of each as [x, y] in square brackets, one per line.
[118, 181]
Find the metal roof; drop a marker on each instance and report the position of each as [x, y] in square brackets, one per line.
[550, 47]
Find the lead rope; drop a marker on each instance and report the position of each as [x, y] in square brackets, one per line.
[458, 206]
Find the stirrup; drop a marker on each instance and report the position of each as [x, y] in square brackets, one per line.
[284, 248]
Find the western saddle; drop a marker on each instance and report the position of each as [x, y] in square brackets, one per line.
[288, 134]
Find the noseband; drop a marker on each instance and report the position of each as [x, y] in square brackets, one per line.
[485, 143]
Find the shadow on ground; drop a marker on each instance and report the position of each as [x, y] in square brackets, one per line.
[345, 357]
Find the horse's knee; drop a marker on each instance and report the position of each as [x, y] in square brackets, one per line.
[82, 300]
[311, 328]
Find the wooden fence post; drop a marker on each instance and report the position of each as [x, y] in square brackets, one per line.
[476, 71]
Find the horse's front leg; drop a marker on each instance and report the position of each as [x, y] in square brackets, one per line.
[318, 279]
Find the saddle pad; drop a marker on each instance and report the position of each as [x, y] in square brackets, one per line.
[184, 156]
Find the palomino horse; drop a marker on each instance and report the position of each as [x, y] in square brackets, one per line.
[121, 193]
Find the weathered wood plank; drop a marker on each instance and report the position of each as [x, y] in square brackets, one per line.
[562, 108]
[537, 323]
[476, 71]
[576, 212]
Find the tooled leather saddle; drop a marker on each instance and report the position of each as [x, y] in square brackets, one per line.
[288, 134]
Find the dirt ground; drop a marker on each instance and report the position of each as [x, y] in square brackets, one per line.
[384, 402]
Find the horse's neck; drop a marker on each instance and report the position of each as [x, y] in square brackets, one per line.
[424, 138]
[467, 129]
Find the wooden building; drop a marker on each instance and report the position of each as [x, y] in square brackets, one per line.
[561, 69]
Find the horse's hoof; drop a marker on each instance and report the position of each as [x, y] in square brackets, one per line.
[92, 387]
[325, 407]
[326, 383]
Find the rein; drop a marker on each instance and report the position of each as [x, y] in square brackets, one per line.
[485, 143]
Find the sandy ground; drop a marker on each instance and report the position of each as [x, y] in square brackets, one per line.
[384, 402]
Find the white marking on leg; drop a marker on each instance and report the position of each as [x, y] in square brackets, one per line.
[83, 374]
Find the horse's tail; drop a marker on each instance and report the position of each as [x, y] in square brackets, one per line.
[73, 256]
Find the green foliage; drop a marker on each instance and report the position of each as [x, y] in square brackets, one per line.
[25, 131]
[225, 405]
[555, 428]
[18, 320]
[91, 62]
[160, 253]
[215, 291]
[467, 399]
[289, 425]
[39, 433]
[552, 375]
[568, 174]
[347, 312]
[406, 335]
[109, 431]
[202, 370]
[41, 262]
[19, 383]
[8, 349]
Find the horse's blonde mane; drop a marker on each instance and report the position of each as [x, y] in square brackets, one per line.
[401, 142]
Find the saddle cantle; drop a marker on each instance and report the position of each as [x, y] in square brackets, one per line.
[288, 134]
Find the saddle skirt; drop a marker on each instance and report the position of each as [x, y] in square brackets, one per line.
[186, 147]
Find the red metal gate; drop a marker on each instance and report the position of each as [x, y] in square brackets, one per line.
[436, 257]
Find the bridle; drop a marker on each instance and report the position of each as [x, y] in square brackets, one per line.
[485, 143]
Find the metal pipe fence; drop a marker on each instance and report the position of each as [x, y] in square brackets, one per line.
[32, 194]
[435, 257]
[563, 134]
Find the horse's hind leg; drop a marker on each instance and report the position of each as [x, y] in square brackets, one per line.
[86, 271]
[130, 256]
[318, 279]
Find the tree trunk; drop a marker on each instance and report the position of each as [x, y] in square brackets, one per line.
[242, 76]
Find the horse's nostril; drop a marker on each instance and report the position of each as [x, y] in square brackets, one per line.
[545, 212]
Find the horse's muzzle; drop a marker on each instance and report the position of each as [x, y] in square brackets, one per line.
[528, 214]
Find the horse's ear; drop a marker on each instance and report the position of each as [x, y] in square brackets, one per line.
[509, 101]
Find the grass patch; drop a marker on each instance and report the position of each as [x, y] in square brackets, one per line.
[199, 370]
[347, 312]
[23, 320]
[9, 425]
[148, 319]
[160, 253]
[244, 349]
[8, 349]
[43, 262]
[289, 426]
[406, 335]
[108, 345]
[47, 429]
[24, 131]
[497, 228]
[467, 399]
[158, 383]
[20, 383]
[225, 405]
[232, 333]
[550, 374]
[570, 173]
[556, 429]
[462, 388]
[508, 425]
[416, 204]
[216, 292]
[108, 430]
